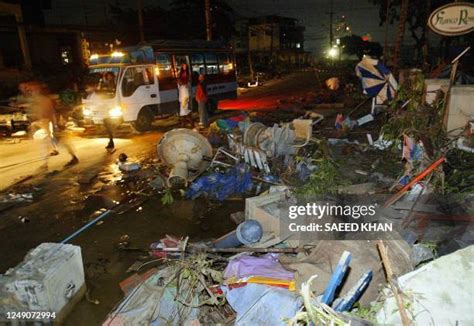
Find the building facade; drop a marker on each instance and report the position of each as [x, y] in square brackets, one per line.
[271, 41]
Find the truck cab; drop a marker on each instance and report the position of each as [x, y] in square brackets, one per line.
[122, 93]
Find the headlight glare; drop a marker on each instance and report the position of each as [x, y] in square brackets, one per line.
[115, 112]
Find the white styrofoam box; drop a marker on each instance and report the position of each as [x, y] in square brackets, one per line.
[432, 86]
[461, 108]
[47, 279]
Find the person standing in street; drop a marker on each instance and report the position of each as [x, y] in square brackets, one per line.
[201, 98]
[109, 127]
[184, 90]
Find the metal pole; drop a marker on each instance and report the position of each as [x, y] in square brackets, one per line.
[207, 9]
[385, 46]
[331, 14]
[23, 44]
[140, 20]
[249, 55]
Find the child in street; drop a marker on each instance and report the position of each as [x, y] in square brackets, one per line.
[201, 98]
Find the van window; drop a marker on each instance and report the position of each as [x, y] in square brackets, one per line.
[165, 68]
[134, 78]
[211, 64]
[197, 63]
[225, 64]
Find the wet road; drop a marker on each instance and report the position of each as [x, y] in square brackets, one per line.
[272, 94]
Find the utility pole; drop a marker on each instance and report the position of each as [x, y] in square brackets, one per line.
[401, 32]
[331, 15]
[207, 8]
[15, 10]
[385, 45]
[140, 20]
[249, 54]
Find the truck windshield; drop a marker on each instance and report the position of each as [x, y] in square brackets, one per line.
[102, 80]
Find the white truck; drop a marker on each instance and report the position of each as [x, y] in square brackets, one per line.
[138, 84]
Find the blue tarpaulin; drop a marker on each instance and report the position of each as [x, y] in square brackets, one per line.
[219, 186]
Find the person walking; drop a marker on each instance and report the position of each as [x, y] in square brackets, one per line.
[44, 123]
[201, 99]
[110, 127]
[184, 81]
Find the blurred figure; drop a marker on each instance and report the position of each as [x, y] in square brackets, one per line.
[110, 127]
[43, 114]
[184, 81]
[201, 98]
[23, 97]
[109, 84]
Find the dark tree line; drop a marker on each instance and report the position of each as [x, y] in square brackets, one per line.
[417, 18]
[355, 45]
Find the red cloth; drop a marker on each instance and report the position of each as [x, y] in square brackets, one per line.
[201, 93]
[183, 78]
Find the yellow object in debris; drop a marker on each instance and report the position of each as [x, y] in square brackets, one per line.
[290, 284]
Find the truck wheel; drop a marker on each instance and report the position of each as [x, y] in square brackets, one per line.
[144, 120]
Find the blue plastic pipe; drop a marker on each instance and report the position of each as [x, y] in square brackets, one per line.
[85, 227]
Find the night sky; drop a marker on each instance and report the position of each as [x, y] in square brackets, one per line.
[361, 15]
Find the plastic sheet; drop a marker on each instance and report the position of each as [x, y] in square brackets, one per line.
[267, 265]
[258, 304]
[221, 185]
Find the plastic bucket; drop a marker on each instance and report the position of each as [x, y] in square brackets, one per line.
[248, 232]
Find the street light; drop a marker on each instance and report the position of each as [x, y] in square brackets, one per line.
[333, 52]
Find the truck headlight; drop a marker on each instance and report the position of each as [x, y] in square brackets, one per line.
[115, 112]
[86, 112]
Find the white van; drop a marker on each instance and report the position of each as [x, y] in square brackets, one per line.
[137, 85]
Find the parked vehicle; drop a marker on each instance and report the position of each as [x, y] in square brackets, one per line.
[138, 84]
[13, 119]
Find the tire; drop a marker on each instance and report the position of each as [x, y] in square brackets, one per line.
[144, 120]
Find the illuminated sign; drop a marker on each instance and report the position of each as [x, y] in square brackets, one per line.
[453, 19]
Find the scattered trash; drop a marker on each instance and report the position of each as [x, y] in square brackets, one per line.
[365, 119]
[258, 304]
[266, 266]
[421, 253]
[247, 233]
[24, 219]
[237, 217]
[16, 198]
[381, 143]
[127, 166]
[172, 295]
[20, 133]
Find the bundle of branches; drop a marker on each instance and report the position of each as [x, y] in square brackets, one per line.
[411, 116]
[324, 178]
[193, 277]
